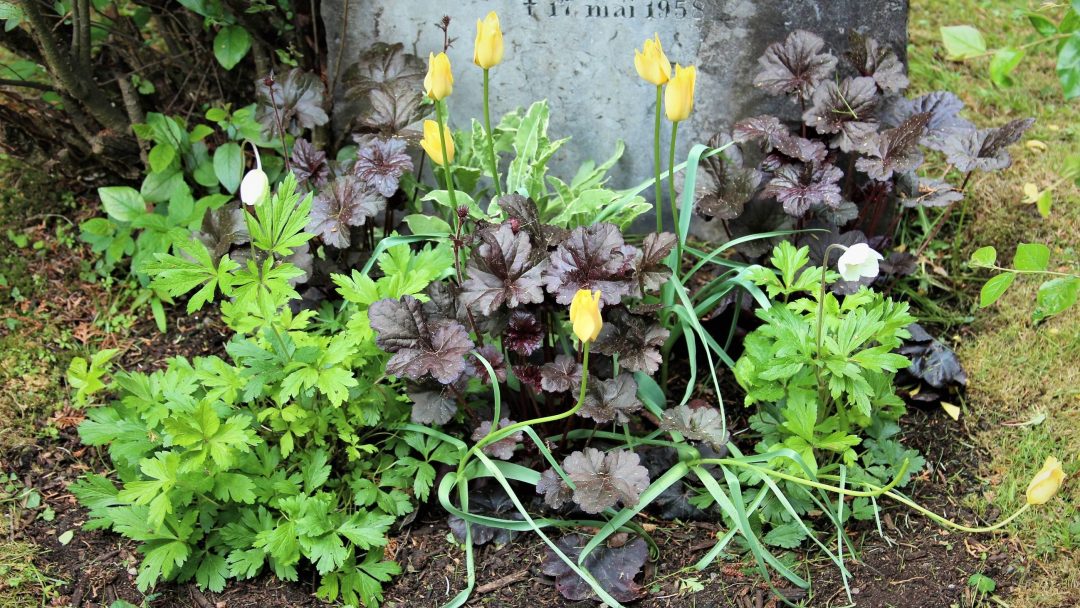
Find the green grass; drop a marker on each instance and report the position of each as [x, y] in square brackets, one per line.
[1016, 369]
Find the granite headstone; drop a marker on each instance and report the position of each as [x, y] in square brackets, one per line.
[579, 55]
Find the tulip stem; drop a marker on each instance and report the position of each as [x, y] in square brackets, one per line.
[440, 117]
[497, 434]
[671, 194]
[658, 205]
[491, 137]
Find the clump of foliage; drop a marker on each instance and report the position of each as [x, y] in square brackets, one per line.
[1054, 24]
[87, 71]
[1055, 295]
[850, 165]
[818, 387]
[275, 458]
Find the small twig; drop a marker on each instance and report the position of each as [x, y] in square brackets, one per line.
[499, 583]
[26, 84]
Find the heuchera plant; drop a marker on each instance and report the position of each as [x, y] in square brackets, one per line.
[850, 166]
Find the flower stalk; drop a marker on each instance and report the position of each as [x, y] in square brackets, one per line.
[494, 160]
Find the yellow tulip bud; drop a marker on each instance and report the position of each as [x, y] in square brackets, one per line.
[488, 50]
[585, 315]
[439, 82]
[1046, 482]
[651, 62]
[433, 145]
[679, 95]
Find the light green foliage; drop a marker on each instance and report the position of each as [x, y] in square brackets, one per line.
[1055, 295]
[183, 182]
[523, 134]
[1061, 32]
[816, 401]
[85, 377]
[278, 455]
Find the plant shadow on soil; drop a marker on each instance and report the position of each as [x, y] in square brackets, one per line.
[924, 565]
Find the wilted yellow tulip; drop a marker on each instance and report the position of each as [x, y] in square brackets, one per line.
[439, 82]
[651, 62]
[488, 50]
[1046, 482]
[433, 145]
[679, 95]
[585, 315]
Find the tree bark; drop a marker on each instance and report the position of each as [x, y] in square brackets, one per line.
[82, 88]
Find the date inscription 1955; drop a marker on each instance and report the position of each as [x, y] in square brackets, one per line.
[618, 9]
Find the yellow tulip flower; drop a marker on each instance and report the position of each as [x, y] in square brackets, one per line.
[488, 50]
[679, 95]
[585, 315]
[651, 62]
[1046, 482]
[433, 145]
[439, 82]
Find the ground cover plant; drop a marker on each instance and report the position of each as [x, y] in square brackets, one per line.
[496, 358]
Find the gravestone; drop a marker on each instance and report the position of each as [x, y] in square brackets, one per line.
[579, 54]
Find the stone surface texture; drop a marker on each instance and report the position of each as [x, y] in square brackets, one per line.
[579, 55]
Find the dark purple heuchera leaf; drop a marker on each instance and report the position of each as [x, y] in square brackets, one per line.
[650, 272]
[944, 109]
[384, 89]
[529, 375]
[795, 66]
[896, 150]
[524, 333]
[602, 480]
[309, 164]
[523, 214]
[298, 96]
[760, 215]
[932, 362]
[502, 270]
[697, 424]
[724, 185]
[494, 358]
[636, 340]
[800, 187]
[344, 202]
[594, 258]
[776, 136]
[419, 346]
[846, 212]
[222, 228]
[432, 405]
[561, 375]
[985, 149]
[615, 568]
[876, 61]
[915, 191]
[608, 400]
[899, 263]
[554, 490]
[502, 449]
[381, 163]
[846, 110]
[488, 500]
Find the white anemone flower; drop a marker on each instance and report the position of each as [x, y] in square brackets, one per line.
[858, 261]
[255, 186]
